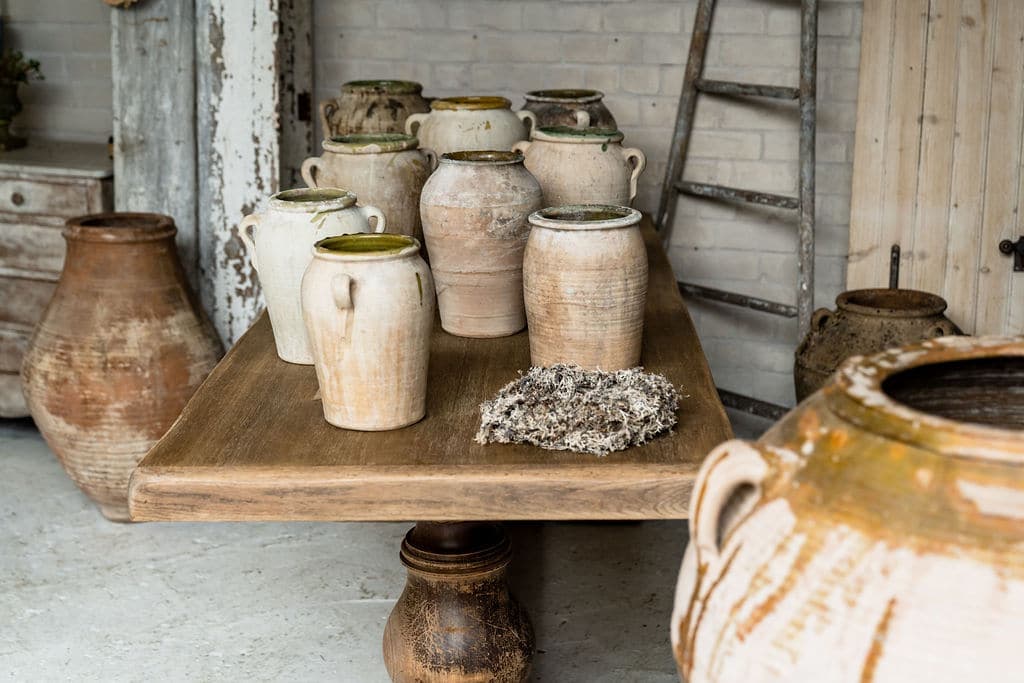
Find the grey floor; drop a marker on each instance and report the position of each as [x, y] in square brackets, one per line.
[87, 600]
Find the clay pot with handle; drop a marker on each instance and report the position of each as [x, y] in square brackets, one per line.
[875, 534]
[866, 321]
[386, 170]
[477, 122]
[281, 247]
[583, 165]
[118, 352]
[378, 106]
[575, 107]
[368, 302]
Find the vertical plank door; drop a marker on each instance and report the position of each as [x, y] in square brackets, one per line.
[938, 155]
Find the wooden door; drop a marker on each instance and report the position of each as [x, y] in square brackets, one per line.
[938, 154]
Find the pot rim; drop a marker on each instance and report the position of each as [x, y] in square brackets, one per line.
[857, 394]
[370, 143]
[391, 247]
[471, 103]
[564, 95]
[483, 157]
[312, 200]
[383, 85]
[585, 217]
[568, 134]
[119, 227]
[918, 304]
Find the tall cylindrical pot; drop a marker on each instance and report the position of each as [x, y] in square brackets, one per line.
[379, 106]
[458, 124]
[585, 285]
[281, 247]
[386, 170]
[569, 107]
[475, 208]
[875, 534]
[368, 302]
[118, 352]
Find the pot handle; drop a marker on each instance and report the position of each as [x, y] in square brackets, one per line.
[431, 156]
[310, 170]
[819, 318]
[527, 115]
[726, 470]
[582, 118]
[521, 146]
[945, 328]
[369, 212]
[637, 160]
[341, 291]
[327, 110]
[415, 120]
[250, 221]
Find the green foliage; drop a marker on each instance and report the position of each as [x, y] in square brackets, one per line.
[14, 68]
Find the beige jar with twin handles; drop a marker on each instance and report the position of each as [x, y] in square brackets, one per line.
[476, 122]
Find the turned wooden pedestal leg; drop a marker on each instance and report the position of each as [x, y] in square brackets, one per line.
[456, 620]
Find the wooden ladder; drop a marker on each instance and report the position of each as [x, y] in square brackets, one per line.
[694, 84]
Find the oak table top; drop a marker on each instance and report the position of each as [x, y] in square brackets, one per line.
[252, 444]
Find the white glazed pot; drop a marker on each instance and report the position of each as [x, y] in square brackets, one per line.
[280, 249]
[368, 302]
[457, 124]
[475, 208]
[583, 165]
[386, 170]
[585, 285]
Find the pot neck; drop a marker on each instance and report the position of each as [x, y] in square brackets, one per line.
[577, 217]
[382, 87]
[371, 143]
[470, 103]
[577, 136]
[564, 96]
[312, 200]
[891, 303]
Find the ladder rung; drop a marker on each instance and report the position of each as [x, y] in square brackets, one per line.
[736, 299]
[722, 192]
[779, 92]
[754, 406]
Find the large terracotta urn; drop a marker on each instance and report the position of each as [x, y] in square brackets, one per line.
[875, 534]
[368, 303]
[386, 170]
[378, 106]
[280, 248]
[476, 122]
[569, 107]
[585, 285]
[475, 208]
[583, 165]
[118, 352]
[865, 321]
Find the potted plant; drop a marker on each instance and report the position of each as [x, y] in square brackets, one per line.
[14, 70]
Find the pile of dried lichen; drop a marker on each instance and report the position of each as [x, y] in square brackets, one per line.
[567, 408]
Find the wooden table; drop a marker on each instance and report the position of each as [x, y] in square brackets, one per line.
[252, 444]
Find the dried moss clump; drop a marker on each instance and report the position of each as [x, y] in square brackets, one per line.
[567, 408]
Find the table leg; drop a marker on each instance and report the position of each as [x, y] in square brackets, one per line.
[456, 621]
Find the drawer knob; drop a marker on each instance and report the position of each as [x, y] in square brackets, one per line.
[17, 199]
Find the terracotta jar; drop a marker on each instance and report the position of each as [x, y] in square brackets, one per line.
[569, 107]
[457, 124]
[474, 209]
[368, 302]
[865, 321]
[875, 534]
[585, 284]
[118, 352]
[583, 165]
[386, 170]
[281, 247]
[371, 107]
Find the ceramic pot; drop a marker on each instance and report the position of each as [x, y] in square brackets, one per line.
[583, 165]
[371, 107]
[475, 208]
[118, 352]
[569, 107]
[386, 170]
[874, 534]
[585, 285]
[368, 302]
[280, 248]
[865, 321]
[457, 124]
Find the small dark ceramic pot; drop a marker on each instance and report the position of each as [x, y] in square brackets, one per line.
[569, 107]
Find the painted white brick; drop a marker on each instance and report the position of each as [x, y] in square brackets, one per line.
[602, 47]
[471, 14]
[350, 14]
[642, 80]
[664, 49]
[419, 14]
[420, 45]
[760, 51]
[725, 145]
[602, 77]
[738, 20]
[556, 16]
[644, 18]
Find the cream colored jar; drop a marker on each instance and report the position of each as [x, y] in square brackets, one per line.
[280, 248]
[583, 165]
[386, 170]
[368, 302]
[457, 124]
[585, 286]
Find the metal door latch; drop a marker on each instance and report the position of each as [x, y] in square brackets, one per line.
[1016, 249]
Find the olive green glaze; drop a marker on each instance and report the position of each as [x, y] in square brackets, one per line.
[569, 131]
[305, 195]
[471, 102]
[366, 243]
[484, 157]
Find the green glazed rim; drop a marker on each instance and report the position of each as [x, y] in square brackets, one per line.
[366, 245]
[384, 85]
[470, 103]
[591, 134]
[371, 143]
[313, 200]
[564, 95]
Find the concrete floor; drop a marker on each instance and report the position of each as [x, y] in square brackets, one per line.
[88, 600]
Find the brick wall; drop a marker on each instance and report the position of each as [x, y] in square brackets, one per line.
[71, 39]
[635, 52]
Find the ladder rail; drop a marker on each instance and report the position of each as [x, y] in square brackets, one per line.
[808, 135]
